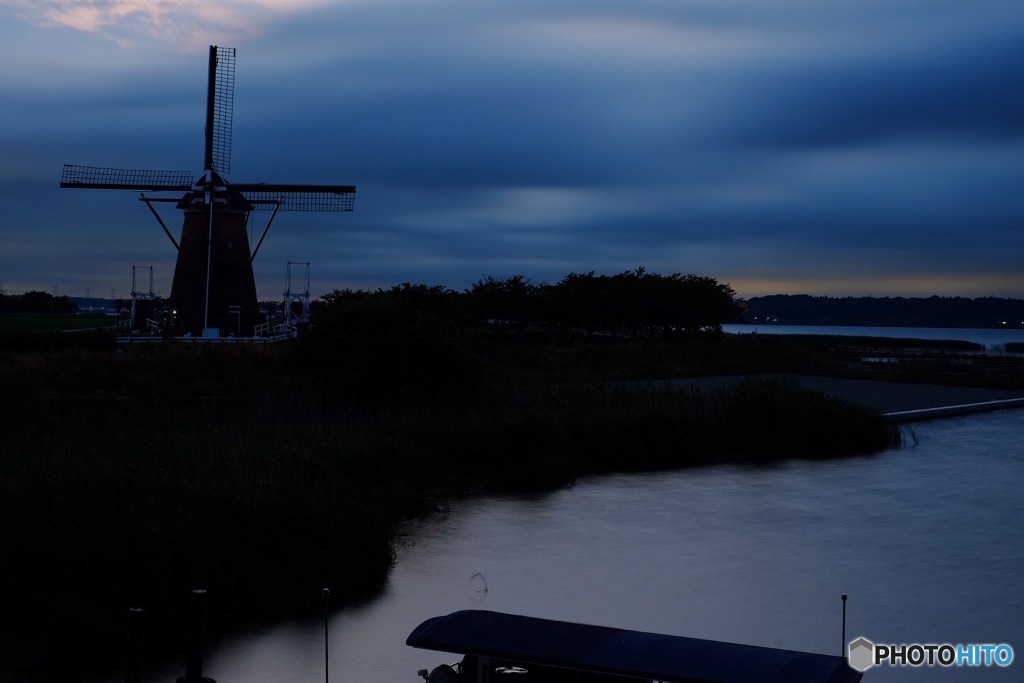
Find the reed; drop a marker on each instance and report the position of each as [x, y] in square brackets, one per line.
[262, 477]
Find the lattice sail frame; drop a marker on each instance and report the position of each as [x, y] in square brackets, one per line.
[97, 177]
[220, 107]
[300, 199]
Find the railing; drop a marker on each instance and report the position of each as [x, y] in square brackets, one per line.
[263, 334]
[277, 332]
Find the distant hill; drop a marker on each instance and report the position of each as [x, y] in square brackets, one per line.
[935, 311]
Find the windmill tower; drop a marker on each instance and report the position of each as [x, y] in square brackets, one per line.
[214, 290]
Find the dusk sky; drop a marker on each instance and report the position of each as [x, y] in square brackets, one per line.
[843, 148]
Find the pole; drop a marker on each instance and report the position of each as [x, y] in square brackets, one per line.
[209, 250]
[843, 652]
[327, 670]
[196, 636]
[136, 645]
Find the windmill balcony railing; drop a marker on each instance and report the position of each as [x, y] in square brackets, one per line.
[263, 334]
[275, 332]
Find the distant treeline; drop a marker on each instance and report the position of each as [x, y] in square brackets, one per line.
[935, 311]
[631, 304]
[36, 302]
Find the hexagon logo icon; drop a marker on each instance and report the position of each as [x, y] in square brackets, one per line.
[861, 654]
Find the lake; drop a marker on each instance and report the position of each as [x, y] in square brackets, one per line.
[992, 339]
[926, 540]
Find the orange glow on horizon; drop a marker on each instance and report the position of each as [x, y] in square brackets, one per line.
[909, 286]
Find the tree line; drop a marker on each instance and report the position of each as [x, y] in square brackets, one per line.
[633, 303]
[934, 311]
[36, 302]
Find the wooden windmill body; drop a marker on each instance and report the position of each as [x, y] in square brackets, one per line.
[214, 289]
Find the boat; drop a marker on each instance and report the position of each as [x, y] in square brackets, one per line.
[508, 648]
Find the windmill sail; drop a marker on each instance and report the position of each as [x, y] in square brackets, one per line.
[220, 107]
[99, 178]
[267, 196]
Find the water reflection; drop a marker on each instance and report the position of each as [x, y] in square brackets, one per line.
[926, 541]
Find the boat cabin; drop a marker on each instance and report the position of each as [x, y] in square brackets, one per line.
[507, 648]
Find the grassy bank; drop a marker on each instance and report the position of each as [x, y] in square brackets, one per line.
[265, 474]
[21, 323]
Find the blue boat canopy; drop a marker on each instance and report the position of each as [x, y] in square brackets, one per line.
[526, 641]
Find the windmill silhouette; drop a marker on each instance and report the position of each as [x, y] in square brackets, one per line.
[214, 289]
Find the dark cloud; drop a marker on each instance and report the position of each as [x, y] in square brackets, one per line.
[972, 95]
[838, 148]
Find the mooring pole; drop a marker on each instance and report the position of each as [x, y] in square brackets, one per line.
[327, 613]
[136, 645]
[843, 652]
[196, 636]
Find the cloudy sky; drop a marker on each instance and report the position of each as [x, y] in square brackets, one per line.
[849, 147]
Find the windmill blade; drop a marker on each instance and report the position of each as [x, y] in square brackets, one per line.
[220, 107]
[95, 177]
[268, 196]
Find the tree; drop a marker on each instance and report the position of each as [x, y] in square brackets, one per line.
[511, 303]
[37, 302]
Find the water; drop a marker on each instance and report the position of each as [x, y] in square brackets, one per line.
[926, 540]
[993, 339]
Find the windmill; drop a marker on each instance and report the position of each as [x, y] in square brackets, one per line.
[214, 290]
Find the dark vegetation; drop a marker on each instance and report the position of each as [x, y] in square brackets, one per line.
[264, 473]
[36, 302]
[935, 311]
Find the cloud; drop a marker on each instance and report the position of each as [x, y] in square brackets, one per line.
[874, 141]
[188, 23]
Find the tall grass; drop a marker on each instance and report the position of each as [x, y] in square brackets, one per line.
[264, 476]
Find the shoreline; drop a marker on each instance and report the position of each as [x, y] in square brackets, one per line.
[897, 401]
[922, 414]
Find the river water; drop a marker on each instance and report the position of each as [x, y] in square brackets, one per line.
[926, 539]
[992, 339]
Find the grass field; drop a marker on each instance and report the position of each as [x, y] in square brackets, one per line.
[131, 478]
[53, 323]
